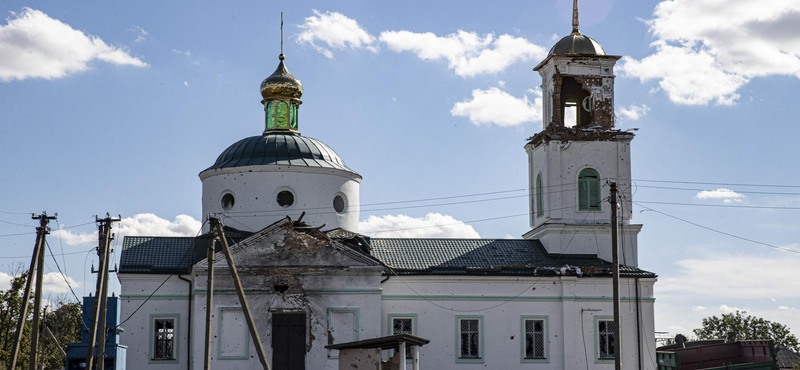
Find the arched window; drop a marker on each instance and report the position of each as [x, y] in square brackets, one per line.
[539, 196]
[588, 190]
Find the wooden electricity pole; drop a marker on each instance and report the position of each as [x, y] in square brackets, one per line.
[101, 293]
[37, 266]
[219, 234]
[615, 262]
[209, 303]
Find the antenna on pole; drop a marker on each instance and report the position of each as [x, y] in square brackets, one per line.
[575, 19]
[281, 56]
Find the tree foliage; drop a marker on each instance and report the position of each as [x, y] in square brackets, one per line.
[736, 326]
[63, 319]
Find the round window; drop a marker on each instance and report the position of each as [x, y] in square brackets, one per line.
[338, 203]
[228, 201]
[285, 199]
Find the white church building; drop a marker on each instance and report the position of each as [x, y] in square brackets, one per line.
[540, 302]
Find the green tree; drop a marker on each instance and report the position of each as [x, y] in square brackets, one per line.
[736, 326]
[63, 319]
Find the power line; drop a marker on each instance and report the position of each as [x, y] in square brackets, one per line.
[718, 231]
[736, 191]
[716, 205]
[66, 280]
[63, 254]
[719, 183]
[16, 224]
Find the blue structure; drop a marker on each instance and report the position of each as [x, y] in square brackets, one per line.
[115, 353]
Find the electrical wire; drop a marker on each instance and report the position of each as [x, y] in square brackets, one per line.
[66, 280]
[16, 224]
[720, 183]
[716, 205]
[63, 254]
[700, 189]
[718, 231]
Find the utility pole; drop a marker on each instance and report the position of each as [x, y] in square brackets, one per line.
[101, 293]
[615, 262]
[219, 233]
[209, 303]
[41, 334]
[37, 266]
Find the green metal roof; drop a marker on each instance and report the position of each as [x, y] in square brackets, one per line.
[577, 44]
[281, 149]
[167, 255]
[486, 257]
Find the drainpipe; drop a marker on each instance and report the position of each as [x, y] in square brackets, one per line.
[189, 329]
[638, 327]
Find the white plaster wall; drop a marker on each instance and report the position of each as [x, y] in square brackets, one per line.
[564, 300]
[560, 163]
[255, 189]
[349, 288]
[171, 298]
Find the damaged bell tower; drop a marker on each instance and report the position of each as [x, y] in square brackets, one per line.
[578, 150]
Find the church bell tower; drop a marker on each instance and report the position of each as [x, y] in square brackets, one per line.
[578, 151]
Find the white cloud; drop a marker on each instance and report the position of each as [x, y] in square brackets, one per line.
[5, 281]
[140, 33]
[786, 308]
[432, 225]
[33, 45]
[146, 224]
[501, 83]
[467, 53]
[726, 195]
[721, 276]
[182, 52]
[53, 282]
[633, 112]
[335, 31]
[494, 106]
[186, 83]
[704, 53]
[698, 308]
[728, 309]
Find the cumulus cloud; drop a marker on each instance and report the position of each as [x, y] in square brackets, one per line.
[705, 55]
[334, 31]
[722, 276]
[467, 53]
[52, 282]
[33, 45]
[146, 224]
[726, 195]
[495, 106]
[432, 225]
[633, 112]
[728, 309]
[698, 308]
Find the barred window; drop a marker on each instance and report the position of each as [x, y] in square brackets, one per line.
[607, 340]
[164, 339]
[403, 325]
[534, 339]
[470, 338]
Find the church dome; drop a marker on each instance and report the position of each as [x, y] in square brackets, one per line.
[577, 44]
[281, 149]
[281, 84]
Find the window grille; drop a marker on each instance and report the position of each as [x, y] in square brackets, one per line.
[470, 338]
[534, 339]
[607, 341]
[403, 326]
[164, 339]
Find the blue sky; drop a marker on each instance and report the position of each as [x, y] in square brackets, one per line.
[116, 108]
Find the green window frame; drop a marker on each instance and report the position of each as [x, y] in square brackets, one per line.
[530, 334]
[392, 330]
[601, 338]
[469, 331]
[539, 196]
[589, 190]
[157, 338]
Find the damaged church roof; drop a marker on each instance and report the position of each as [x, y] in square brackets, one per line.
[432, 256]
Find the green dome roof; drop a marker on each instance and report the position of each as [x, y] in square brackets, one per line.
[280, 149]
[577, 44]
